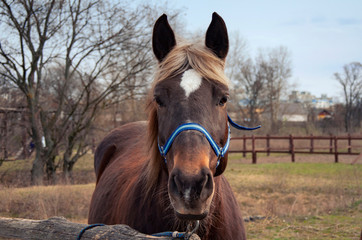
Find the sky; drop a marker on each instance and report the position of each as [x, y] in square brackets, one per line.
[321, 35]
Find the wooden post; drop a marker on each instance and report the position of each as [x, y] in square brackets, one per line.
[331, 144]
[253, 149]
[311, 143]
[335, 150]
[58, 228]
[291, 147]
[349, 143]
[268, 145]
[244, 146]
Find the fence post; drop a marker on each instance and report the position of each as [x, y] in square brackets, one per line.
[331, 144]
[268, 145]
[244, 146]
[291, 147]
[311, 143]
[349, 143]
[253, 149]
[335, 150]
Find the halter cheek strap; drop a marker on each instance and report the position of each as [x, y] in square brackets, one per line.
[219, 151]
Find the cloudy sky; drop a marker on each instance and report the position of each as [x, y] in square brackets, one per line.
[322, 35]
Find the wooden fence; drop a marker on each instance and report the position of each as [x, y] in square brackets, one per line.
[334, 145]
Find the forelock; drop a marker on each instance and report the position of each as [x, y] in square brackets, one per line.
[195, 56]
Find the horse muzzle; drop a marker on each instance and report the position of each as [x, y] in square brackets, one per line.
[191, 194]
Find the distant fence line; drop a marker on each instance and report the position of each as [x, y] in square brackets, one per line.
[333, 148]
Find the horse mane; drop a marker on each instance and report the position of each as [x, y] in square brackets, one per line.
[196, 56]
[181, 58]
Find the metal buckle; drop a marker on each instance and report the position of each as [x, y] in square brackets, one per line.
[189, 233]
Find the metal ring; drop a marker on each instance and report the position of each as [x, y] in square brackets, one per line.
[189, 233]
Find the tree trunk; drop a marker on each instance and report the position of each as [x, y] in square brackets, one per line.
[67, 163]
[4, 142]
[51, 170]
[58, 228]
[37, 171]
[68, 172]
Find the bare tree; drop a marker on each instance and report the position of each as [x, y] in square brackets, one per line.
[29, 26]
[246, 79]
[275, 68]
[237, 56]
[351, 82]
[260, 82]
[67, 57]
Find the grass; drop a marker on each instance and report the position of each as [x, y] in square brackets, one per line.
[17, 173]
[85, 163]
[42, 202]
[302, 200]
[17, 165]
[334, 226]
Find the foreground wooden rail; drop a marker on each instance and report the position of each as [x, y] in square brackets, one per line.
[289, 142]
[59, 228]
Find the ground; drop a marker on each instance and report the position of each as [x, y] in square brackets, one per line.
[313, 198]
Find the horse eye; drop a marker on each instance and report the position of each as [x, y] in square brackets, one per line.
[223, 100]
[158, 101]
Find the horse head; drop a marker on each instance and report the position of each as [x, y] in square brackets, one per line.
[189, 97]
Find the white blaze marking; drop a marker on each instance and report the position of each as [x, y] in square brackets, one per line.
[190, 81]
[187, 194]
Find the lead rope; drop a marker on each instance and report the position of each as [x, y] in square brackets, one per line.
[182, 235]
[88, 227]
[185, 235]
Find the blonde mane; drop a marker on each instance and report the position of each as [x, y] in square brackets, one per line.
[195, 56]
[180, 59]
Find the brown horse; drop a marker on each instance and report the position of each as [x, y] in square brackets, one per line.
[151, 189]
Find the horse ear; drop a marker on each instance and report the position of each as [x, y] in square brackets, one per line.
[163, 38]
[217, 36]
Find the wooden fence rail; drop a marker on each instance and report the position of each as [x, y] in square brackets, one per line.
[58, 228]
[289, 145]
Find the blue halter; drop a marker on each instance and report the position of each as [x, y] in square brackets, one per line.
[219, 151]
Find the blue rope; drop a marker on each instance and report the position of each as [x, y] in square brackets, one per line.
[239, 127]
[88, 227]
[162, 234]
[219, 151]
[169, 234]
[193, 126]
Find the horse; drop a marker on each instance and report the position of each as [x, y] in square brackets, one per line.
[161, 174]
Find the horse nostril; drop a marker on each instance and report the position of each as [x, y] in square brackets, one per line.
[206, 180]
[201, 183]
[178, 184]
[207, 187]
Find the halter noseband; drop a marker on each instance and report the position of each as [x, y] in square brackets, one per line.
[219, 151]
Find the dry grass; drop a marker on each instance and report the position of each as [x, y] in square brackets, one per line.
[70, 201]
[304, 200]
[301, 200]
[288, 194]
